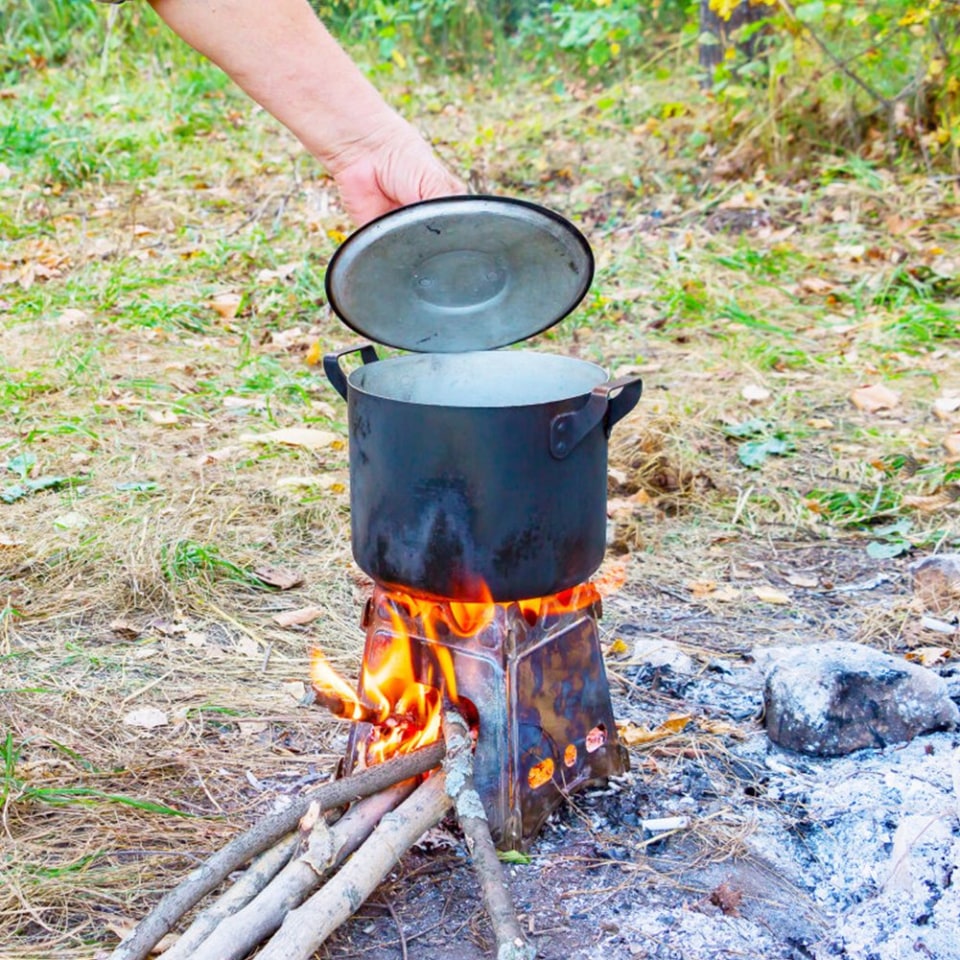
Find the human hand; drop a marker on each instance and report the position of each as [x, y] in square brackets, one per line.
[392, 167]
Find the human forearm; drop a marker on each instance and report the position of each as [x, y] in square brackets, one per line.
[286, 60]
[283, 57]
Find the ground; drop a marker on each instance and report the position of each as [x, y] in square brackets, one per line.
[162, 314]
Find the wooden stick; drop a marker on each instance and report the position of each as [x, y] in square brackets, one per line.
[200, 881]
[260, 874]
[458, 766]
[326, 849]
[307, 927]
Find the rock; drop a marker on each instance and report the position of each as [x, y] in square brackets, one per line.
[829, 699]
[936, 582]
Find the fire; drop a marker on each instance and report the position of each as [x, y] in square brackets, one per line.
[402, 695]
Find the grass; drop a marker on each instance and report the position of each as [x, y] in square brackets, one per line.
[127, 206]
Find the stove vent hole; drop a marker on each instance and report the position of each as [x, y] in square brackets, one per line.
[540, 774]
[570, 755]
[596, 738]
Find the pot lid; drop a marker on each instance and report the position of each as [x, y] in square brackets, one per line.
[459, 274]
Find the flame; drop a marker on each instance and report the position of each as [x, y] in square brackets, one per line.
[402, 700]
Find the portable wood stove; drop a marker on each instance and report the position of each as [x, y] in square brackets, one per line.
[531, 676]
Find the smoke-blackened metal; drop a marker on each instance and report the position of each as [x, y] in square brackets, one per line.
[532, 674]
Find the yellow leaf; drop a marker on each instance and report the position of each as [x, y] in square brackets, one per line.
[399, 59]
[768, 594]
[618, 647]
[314, 354]
[631, 733]
[721, 728]
[724, 8]
[675, 722]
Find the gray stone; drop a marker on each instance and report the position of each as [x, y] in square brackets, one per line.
[829, 699]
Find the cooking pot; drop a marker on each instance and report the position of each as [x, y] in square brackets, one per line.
[475, 472]
[479, 475]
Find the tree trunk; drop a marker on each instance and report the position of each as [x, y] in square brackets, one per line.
[718, 35]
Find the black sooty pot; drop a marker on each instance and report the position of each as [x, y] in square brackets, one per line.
[477, 472]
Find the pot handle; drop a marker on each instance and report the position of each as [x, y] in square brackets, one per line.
[333, 370]
[568, 429]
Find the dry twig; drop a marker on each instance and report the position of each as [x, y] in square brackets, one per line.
[307, 927]
[325, 849]
[263, 835]
[458, 766]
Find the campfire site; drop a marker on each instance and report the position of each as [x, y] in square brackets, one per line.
[758, 690]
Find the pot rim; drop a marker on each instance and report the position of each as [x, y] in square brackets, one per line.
[479, 380]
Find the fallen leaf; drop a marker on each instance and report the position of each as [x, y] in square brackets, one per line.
[850, 251]
[225, 305]
[233, 402]
[283, 272]
[7, 542]
[929, 656]
[294, 618]
[618, 648]
[632, 734]
[721, 728]
[123, 929]
[611, 577]
[754, 393]
[816, 285]
[807, 580]
[314, 354]
[874, 397]
[71, 521]
[219, 456]
[944, 407]
[248, 647]
[819, 423]
[146, 717]
[71, 317]
[285, 339]
[306, 437]
[323, 409]
[283, 578]
[163, 418]
[935, 501]
[330, 482]
[951, 443]
[295, 688]
[251, 728]
[701, 588]
[725, 593]
[768, 594]
[727, 899]
[195, 639]
[125, 629]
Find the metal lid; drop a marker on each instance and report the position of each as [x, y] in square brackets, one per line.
[459, 274]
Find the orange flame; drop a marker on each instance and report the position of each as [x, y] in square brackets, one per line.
[402, 700]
